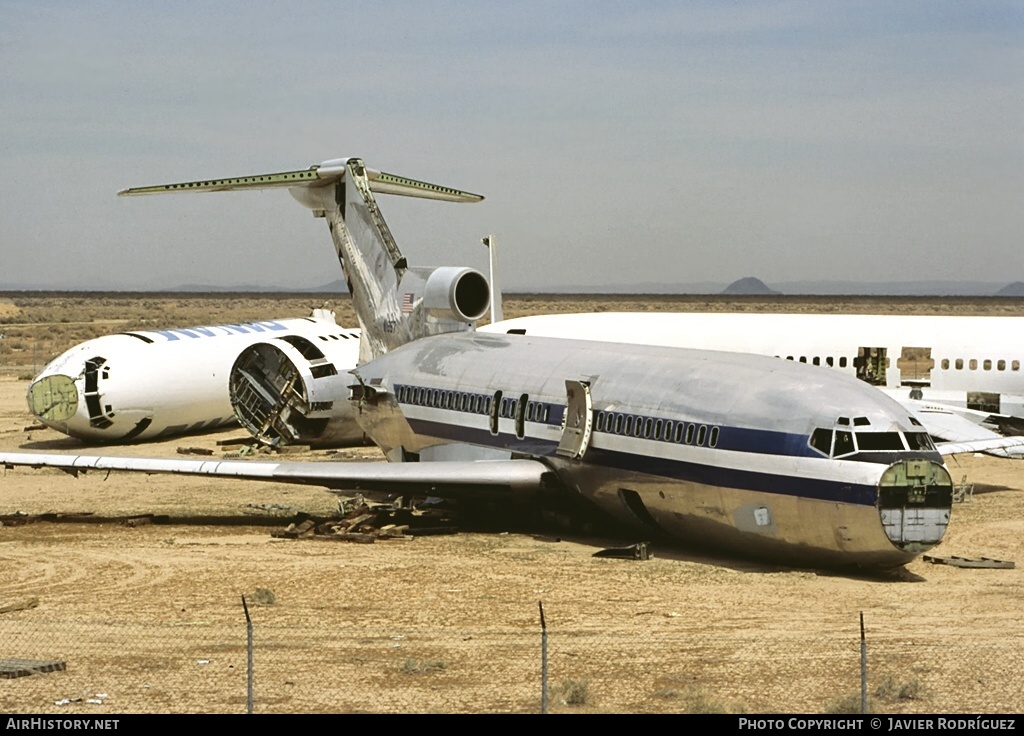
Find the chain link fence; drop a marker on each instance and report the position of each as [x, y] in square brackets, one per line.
[200, 665]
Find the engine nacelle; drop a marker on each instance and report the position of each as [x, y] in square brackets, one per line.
[451, 292]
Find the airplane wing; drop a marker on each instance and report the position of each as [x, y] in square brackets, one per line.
[497, 479]
[950, 423]
[961, 430]
[1008, 447]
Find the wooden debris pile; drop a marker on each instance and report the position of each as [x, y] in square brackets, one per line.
[363, 521]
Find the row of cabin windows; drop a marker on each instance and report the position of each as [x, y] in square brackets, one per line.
[829, 361]
[958, 363]
[524, 410]
[662, 430]
[986, 364]
[339, 336]
[535, 411]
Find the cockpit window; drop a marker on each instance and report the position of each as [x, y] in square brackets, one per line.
[821, 440]
[879, 441]
[919, 441]
[843, 444]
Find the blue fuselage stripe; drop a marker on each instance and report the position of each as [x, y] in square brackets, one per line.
[677, 470]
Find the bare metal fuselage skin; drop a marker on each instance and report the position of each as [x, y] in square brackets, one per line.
[709, 448]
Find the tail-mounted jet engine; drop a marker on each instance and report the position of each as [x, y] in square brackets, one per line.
[445, 299]
[294, 391]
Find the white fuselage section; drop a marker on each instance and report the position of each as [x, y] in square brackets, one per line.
[147, 384]
[972, 362]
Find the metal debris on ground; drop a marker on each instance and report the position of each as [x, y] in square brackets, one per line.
[363, 521]
[638, 551]
[194, 451]
[956, 561]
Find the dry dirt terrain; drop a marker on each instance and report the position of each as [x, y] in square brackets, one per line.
[149, 618]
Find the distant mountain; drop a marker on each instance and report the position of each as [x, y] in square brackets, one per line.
[1014, 289]
[748, 285]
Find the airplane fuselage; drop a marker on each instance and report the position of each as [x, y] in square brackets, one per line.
[149, 384]
[971, 362]
[741, 452]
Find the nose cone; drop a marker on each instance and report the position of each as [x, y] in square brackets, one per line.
[53, 399]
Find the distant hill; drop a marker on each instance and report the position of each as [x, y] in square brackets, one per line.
[748, 285]
[1014, 289]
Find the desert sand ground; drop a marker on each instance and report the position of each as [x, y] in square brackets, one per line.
[149, 618]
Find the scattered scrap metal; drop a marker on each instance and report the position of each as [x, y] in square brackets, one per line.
[956, 561]
[638, 551]
[364, 522]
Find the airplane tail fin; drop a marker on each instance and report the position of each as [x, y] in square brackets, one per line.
[394, 303]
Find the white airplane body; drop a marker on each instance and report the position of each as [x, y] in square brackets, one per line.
[974, 363]
[145, 385]
[762, 457]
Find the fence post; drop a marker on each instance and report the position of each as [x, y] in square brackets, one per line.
[543, 660]
[248, 649]
[863, 668]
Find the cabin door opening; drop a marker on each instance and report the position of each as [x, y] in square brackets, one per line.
[579, 417]
[915, 366]
[871, 364]
[983, 401]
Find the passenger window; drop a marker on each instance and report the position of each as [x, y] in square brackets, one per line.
[829, 361]
[987, 364]
[1015, 365]
[1001, 365]
[690, 428]
[701, 434]
[959, 364]
[713, 439]
[816, 361]
[842, 362]
[945, 364]
[973, 365]
[677, 434]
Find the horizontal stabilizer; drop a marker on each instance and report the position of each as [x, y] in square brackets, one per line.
[315, 176]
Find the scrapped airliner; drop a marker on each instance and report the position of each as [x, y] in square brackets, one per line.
[150, 384]
[746, 453]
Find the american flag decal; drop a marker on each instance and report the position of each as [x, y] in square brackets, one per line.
[406, 303]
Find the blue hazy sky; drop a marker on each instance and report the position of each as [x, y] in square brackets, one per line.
[616, 142]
